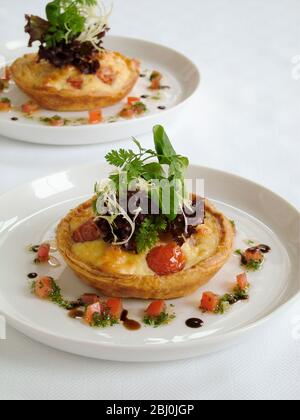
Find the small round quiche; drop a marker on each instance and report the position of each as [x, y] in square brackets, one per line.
[67, 89]
[119, 273]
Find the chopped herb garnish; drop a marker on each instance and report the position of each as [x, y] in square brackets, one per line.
[249, 242]
[253, 265]
[57, 298]
[103, 320]
[238, 252]
[5, 101]
[230, 299]
[148, 234]
[163, 319]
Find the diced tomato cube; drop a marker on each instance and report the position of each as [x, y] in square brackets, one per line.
[56, 121]
[43, 253]
[133, 100]
[156, 308]
[115, 307]
[253, 254]
[106, 75]
[30, 107]
[127, 112]
[242, 281]
[91, 310]
[5, 106]
[95, 117]
[155, 84]
[209, 302]
[75, 82]
[43, 287]
[89, 299]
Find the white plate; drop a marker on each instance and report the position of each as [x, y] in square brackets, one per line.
[180, 74]
[30, 214]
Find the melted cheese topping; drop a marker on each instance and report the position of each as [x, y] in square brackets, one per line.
[42, 74]
[114, 260]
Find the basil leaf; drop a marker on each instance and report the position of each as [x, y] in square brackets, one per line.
[163, 145]
[152, 171]
[53, 12]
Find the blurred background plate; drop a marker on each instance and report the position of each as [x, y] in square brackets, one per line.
[180, 74]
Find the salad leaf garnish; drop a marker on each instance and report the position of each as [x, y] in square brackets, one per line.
[142, 164]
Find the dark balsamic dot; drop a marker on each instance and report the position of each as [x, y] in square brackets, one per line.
[194, 323]
[265, 249]
[142, 75]
[32, 275]
[162, 107]
[15, 119]
[145, 96]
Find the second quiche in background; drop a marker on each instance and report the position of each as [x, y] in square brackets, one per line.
[72, 71]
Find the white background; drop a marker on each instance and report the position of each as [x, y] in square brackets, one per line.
[246, 121]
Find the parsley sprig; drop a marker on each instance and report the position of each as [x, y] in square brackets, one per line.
[157, 321]
[148, 234]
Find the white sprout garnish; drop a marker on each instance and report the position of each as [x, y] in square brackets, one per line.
[96, 22]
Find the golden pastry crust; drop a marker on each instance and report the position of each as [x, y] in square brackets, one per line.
[145, 286]
[50, 88]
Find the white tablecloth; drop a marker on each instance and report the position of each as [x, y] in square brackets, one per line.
[246, 121]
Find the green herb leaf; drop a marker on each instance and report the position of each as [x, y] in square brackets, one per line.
[120, 158]
[103, 320]
[163, 319]
[148, 234]
[163, 146]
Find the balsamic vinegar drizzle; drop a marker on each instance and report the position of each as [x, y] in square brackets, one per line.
[76, 314]
[129, 324]
[194, 323]
[265, 249]
[32, 276]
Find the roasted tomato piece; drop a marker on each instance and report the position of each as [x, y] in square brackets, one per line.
[87, 232]
[210, 302]
[43, 253]
[43, 287]
[91, 310]
[115, 307]
[242, 281]
[156, 308]
[166, 259]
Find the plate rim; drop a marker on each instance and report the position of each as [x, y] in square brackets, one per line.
[159, 347]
